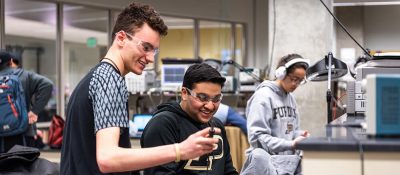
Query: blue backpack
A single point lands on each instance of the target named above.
(13, 111)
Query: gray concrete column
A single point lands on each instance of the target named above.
(304, 27)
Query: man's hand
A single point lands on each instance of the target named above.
(198, 144)
(32, 117)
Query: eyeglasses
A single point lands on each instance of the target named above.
(297, 81)
(204, 98)
(146, 46)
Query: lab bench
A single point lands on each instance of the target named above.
(349, 150)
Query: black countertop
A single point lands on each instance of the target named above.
(348, 135)
(347, 144)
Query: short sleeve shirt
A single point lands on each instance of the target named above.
(99, 101)
(109, 94)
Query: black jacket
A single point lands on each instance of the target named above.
(171, 124)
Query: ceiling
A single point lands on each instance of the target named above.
(37, 19)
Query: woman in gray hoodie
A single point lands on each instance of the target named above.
(273, 121)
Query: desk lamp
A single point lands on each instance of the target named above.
(327, 69)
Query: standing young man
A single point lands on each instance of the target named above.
(273, 121)
(37, 91)
(96, 136)
(174, 122)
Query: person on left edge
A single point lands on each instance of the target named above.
(37, 90)
(174, 122)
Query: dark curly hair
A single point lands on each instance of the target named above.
(135, 16)
(285, 59)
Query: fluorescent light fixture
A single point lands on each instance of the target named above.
(35, 29)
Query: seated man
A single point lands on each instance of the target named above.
(174, 122)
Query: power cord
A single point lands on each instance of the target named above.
(360, 150)
(344, 28)
(358, 142)
(337, 103)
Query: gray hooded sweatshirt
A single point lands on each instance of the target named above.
(272, 119)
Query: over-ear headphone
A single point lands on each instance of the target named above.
(280, 72)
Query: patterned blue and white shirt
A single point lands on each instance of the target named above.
(99, 101)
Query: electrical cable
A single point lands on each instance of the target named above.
(245, 70)
(336, 102)
(360, 150)
(344, 28)
(360, 60)
(358, 142)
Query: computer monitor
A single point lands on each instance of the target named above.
(172, 72)
(172, 75)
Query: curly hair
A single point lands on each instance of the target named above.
(135, 16)
(285, 59)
